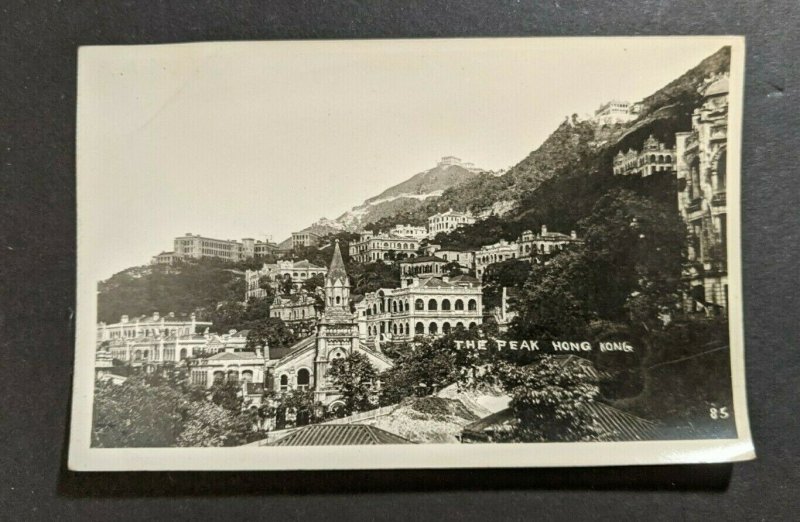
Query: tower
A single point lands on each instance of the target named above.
(337, 331)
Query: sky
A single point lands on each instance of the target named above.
(258, 139)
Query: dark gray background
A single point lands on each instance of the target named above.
(38, 43)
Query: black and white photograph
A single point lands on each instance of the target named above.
(481, 252)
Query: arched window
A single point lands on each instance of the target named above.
(459, 304)
(338, 300)
(433, 329)
(459, 325)
(472, 305)
(446, 328)
(419, 329)
(303, 379)
(472, 326)
(446, 304)
(394, 306)
(432, 305)
(247, 376)
(219, 376)
(419, 304)
(394, 329)
(374, 309)
(284, 382)
(233, 375)
(722, 167)
(183, 353)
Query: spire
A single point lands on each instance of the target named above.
(337, 270)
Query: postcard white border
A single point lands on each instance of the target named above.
(84, 458)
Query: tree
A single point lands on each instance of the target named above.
(154, 411)
(452, 269)
(272, 331)
(434, 363)
(353, 376)
(285, 285)
(549, 400)
(227, 395)
(312, 283)
(265, 283)
(509, 273)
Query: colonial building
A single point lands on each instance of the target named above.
(153, 325)
(165, 258)
(293, 308)
(616, 111)
(228, 366)
(495, 253)
(449, 161)
(425, 265)
(423, 305)
(447, 221)
(654, 157)
(464, 258)
(372, 247)
(305, 364)
(173, 348)
(312, 236)
(544, 242)
(411, 231)
(701, 172)
(296, 271)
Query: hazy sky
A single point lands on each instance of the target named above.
(240, 140)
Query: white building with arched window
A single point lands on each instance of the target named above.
(421, 306)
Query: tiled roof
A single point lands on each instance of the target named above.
(279, 353)
(339, 435)
(305, 263)
(615, 425)
(435, 282)
(464, 279)
(423, 259)
(228, 356)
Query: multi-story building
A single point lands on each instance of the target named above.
(294, 308)
(372, 247)
(296, 271)
(465, 258)
(229, 366)
(494, 253)
(702, 172)
(448, 221)
(425, 305)
(448, 161)
(654, 157)
(152, 325)
(544, 242)
(424, 265)
(165, 258)
(411, 231)
(312, 236)
(616, 111)
(194, 246)
(155, 349)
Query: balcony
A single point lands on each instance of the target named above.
(718, 199)
(694, 205)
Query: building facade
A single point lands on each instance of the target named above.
(654, 157)
(229, 366)
(702, 179)
(496, 253)
(372, 247)
(544, 242)
(423, 305)
(173, 348)
(305, 366)
(152, 325)
(425, 265)
(448, 221)
(464, 258)
(296, 271)
(616, 111)
(294, 308)
(411, 231)
(165, 258)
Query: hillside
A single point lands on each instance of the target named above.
(559, 183)
(183, 288)
(408, 196)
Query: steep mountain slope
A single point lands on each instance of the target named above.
(408, 196)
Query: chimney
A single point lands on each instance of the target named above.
(266, 350)
(573, 235)
(155, 316)
(544, 230)
(124, 319)
(258, 352)
(171, 315)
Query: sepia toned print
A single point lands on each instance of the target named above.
(520, 258)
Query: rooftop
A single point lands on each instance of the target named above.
(339, 435)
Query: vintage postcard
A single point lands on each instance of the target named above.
(409, 254)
